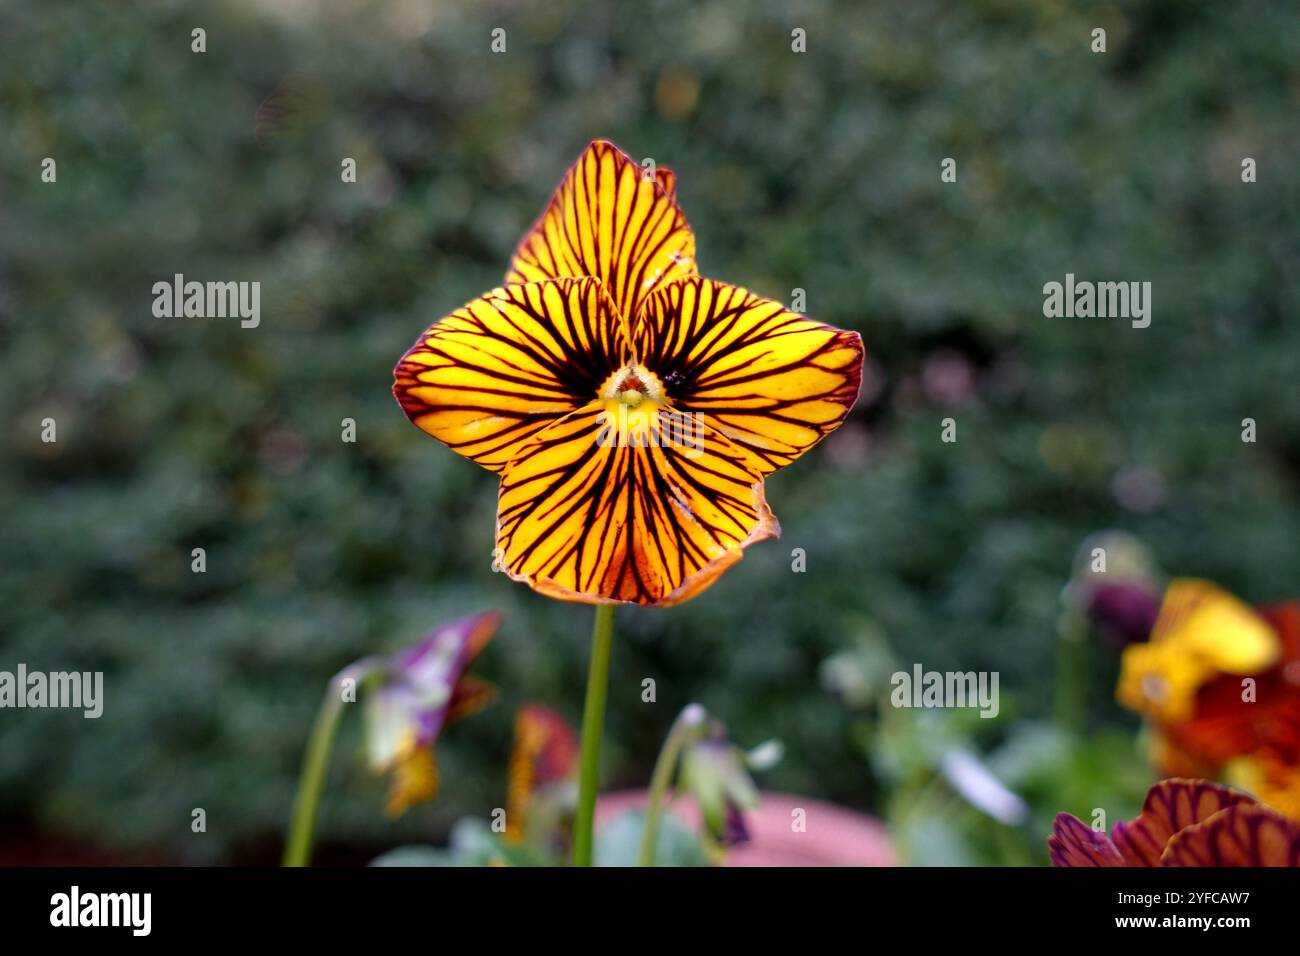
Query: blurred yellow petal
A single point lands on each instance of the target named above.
(1160, 681)
(1223, 631)
(612, 219)
(1275, 781)
(414, 779)
(767, 378)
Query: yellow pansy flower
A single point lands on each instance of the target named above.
(631, 407)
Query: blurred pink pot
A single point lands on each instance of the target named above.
(833, 836)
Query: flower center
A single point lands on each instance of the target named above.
(633, 385)
(1155, 688)
(632, 398)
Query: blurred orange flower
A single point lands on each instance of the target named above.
(1219, 683)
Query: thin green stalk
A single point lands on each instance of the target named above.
(683, 727)
(593, 725)
(1072, 670)
(297, 851)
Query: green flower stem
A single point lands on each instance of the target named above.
(297, 851)
(1072, 670)
(593, 725)
(682, 731)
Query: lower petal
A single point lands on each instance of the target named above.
(590, 511)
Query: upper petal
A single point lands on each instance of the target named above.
(769, 379)
(492, 374)
(1171, 806)
(612, 219)
(584, 515)
(1272, 775)
(1221, 629)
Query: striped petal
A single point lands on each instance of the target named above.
(600, 511)
(667, 179)
(1243, 835)
(1171, 806)
(1074, 843)
(769, 379)
(610, 219)
(495, 372)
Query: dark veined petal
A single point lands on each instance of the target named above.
(767, 378)
(495, 372)
(1171, 805)
(597, 512)
(1074, 843)
(667, 179)
(1243, 835)
(610, 218)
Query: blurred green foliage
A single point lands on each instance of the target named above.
(817, 171)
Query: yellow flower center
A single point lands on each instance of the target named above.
(631, 385)
(631, 396)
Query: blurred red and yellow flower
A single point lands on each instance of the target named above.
(632, 408)
(1183, 823)
(1201, 632)
(1219, 683)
